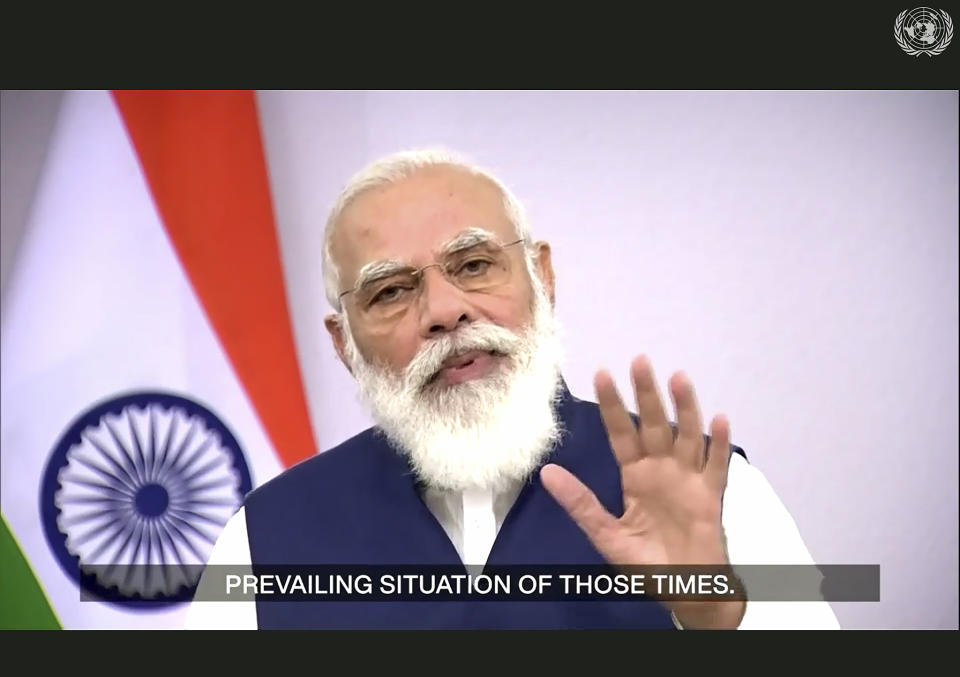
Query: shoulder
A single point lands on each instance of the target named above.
(348, 462)
(759, 526)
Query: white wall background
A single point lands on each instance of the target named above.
(795, 252)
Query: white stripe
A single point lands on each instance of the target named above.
(99, 305)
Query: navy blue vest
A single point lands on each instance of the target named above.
(359, 504)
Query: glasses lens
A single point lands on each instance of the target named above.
(478, 268)
(387, 296)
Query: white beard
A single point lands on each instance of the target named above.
(486, 433)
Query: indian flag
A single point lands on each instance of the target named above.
(149, 375)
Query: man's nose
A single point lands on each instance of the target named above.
(443, 305)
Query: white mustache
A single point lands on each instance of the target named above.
(477, 336)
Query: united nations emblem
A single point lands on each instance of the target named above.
(923, 30)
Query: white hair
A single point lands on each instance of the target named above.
(396, 167)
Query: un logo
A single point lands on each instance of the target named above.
(923, 31)
(135, 494)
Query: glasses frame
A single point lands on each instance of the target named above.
(418, 273)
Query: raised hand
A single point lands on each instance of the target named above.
(672, 488)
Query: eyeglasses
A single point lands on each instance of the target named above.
(387, 294)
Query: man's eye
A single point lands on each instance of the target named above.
(474, 267)
(389, 294)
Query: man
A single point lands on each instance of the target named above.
(481, 456)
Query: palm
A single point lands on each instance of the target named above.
(672, 488)
(670, 516)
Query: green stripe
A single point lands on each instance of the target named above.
(23, 606)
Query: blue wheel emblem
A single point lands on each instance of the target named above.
(135, 494)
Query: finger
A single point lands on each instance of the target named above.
(688, 447)
(718, 453)
(621, 430)
(582, 506)
(656, 436)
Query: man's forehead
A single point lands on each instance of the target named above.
(417, 216)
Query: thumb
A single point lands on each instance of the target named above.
(581, 504)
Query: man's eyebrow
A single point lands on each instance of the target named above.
(376, 270)
(466, 239)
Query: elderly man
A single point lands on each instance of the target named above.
(480, 454)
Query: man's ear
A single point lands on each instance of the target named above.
(545, 269)
(334, 325)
